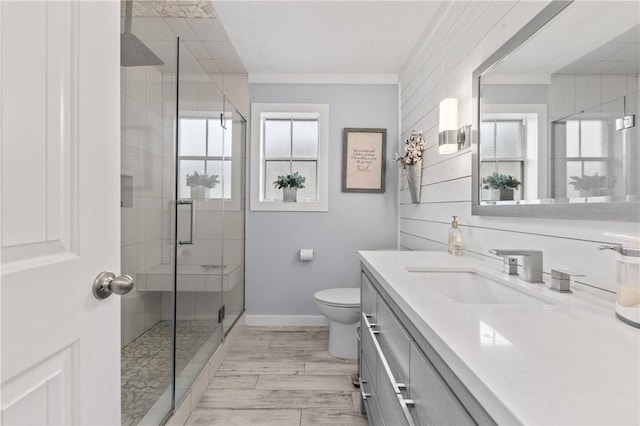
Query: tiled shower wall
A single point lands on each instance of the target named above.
(141, 90)
(459, 38)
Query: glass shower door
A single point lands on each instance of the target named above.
(234, 208)
(200, 191)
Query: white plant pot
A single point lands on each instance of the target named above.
(595, 192)
(198, 192)
(290, 195)
(505, 194)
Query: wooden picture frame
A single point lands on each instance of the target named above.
(364, 160)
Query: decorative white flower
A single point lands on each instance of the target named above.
(413, 148)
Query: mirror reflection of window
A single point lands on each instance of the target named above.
(592, 158)
(502, 151)
(587, 156)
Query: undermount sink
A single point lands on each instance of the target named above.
(473, 287)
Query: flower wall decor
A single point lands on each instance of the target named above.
(411, 162)
(413, 148)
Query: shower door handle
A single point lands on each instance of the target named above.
(107, 282)
(191, 216)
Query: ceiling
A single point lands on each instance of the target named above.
(324, 37)
(205, 46)
(170, 8)
(585, 38)
(283, 37)
(619, 56)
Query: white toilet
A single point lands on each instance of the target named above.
(341, 306)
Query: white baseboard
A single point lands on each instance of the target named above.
(287, 320)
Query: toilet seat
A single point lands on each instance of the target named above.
(339, 297)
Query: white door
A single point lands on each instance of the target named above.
(60, 132)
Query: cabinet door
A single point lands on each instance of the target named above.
(435, 403)
(368, 298)
(368, 349)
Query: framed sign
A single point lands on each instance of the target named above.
(363, 160)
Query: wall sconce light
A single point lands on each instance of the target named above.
(451, 138)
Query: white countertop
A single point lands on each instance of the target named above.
(571, 362)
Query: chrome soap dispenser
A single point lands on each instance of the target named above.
(456, 245)
(628, 278)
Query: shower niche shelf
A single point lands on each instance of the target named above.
(190, 278)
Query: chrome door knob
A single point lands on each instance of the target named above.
(107, 283)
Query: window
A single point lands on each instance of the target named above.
(290, 145)
(503, 151)
(205, 147)
(288, 138)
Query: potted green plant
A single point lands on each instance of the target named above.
(593, 186)
(199, 183)
(289, 185)
(502, 186)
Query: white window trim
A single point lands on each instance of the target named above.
(257, 112)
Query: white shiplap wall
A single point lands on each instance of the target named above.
(460, 37)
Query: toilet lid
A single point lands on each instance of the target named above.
(339, 297)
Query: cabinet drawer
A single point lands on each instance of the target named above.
(390, 402)
(369, 399)
(435, 403)
(394, 341)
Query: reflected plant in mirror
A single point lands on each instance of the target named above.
(595, 185)
(501, 186)
(561, 120)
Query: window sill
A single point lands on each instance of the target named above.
(215, 204)
(281, 206)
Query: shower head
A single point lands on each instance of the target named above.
(133, 52)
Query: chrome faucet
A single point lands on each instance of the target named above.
(531, 262)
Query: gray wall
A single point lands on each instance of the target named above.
(277, 282)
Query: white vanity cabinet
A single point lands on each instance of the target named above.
(404, 381)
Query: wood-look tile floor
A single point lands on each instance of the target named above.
(281, 376)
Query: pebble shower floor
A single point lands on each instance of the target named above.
(146, 363)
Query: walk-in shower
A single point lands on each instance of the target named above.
(183, 201)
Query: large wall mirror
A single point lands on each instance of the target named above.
(555, 114)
